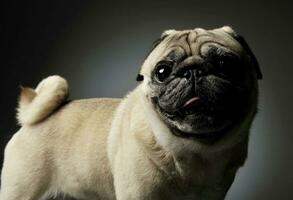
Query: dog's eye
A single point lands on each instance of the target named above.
(163, 71)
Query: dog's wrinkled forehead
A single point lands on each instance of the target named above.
(189, 43)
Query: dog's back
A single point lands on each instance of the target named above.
(60, 148)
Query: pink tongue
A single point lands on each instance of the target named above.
(191, 102)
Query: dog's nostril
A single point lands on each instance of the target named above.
(186, 74)
(199, 72)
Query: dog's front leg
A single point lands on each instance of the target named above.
(135, 177)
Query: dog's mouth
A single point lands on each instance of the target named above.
(198, 118)
(189, 107)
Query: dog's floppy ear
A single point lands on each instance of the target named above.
(246, 47)
(244, 44)
(139, 77)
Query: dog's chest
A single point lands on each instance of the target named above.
(193, 177)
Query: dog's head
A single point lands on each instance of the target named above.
(202, 83)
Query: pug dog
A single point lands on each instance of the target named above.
(182, 133)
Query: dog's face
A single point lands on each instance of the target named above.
(202, 83)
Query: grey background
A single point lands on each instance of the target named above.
(99, 46)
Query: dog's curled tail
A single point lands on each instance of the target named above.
(36, 104)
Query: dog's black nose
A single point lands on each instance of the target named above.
(191, 72)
